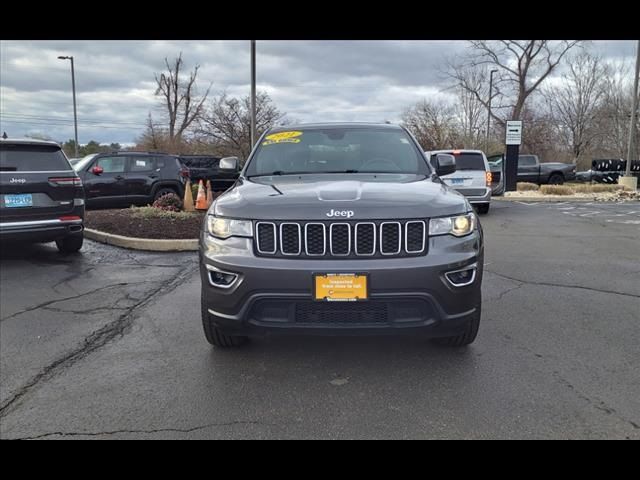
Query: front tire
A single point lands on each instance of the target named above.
(483, 208)
(70, 244)
(214, 335)
(556, 179)
(465, 338)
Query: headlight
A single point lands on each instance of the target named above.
(227, 227)
(458, 226)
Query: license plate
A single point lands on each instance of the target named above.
(22, 200)
(457, 181)
(341, 287)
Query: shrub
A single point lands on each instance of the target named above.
(526, 187)
(153, 212)
(169, 202)
(556, 190)
(594, 188)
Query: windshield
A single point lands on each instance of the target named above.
(81, 165)
(32, 158)
(337, 150)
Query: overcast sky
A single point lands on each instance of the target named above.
(309, 80)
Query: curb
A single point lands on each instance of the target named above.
(148, 244)
(547, 199)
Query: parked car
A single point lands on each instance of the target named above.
(472, 177)
(203, 167)
(121, 178)
(531, 170)
(341, 229)
(41, 196)
(607, 171)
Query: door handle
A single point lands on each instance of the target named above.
(153, 175)
(119, 177)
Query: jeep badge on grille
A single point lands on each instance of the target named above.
(340, 213)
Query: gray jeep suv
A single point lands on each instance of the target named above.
(339, 229)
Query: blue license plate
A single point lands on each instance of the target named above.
(22, 200)
(457, 181)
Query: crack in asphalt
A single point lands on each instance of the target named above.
(499, 297)
(150, 431)
(73, 276)
(549, 284)
(51, 302)
(90, 311)
(597, 404)
(94, 341)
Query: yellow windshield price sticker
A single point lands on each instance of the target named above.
(282, 137)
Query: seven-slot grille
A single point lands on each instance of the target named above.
(341, 239)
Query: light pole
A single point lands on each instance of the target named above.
(634, 108)
(253, 93)
(75, 114)
(486, 145)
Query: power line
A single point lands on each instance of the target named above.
(20, 116)
(117, 127)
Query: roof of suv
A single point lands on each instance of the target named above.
(135, 153)
(28, 141)
(311, 126)
(461, 150)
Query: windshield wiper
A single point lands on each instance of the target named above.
(281, 172)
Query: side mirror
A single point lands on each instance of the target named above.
(229, 164)
(97, 170)
(445, 164)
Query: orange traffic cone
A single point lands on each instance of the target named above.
(187, 202)
(209, 193)
(201, 200)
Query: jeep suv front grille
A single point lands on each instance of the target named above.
(341, 239)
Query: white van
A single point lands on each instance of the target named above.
(472, 177)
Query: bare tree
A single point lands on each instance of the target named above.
(575, 103)
(613, 117)
(471, 118)
(179, 97)
(432, 123)
(522, 67)
(153, 138)
(227, 123)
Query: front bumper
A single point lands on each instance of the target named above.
(406, 295)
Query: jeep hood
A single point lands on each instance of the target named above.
(312, 197)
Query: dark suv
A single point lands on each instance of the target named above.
(41, 196)
(341, 229)
(120, 179)
(204, 167)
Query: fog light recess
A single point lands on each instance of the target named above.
(462, 277)
(221, 279)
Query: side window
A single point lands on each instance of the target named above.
(141, 164)
(160, 162)
(526, 161)
(112, 164)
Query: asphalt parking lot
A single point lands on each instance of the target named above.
(108, 344)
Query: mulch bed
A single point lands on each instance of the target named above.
(121, 222)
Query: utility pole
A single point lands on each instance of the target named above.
(75, 113)
(634, 113)
(253, 93)
(486, 145)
